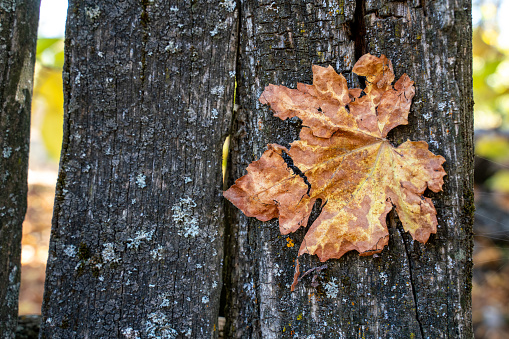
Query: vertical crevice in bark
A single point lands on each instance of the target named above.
(358, 29)
(228, 233)
(402, 232)
(144, 21)
(422, 4)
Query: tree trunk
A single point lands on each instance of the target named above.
(136, 246)
(18, 36)
(410, 290)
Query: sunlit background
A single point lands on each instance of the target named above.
(491, 94)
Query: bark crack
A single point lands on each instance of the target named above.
(144, 21)
(295, 169)
(5, 71)
(358, 29)
(228, 229)
(422, 4)
(414, 293)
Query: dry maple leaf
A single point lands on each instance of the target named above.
(344, 159)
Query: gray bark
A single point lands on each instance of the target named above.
(410, 290)
(28, 327)
(136, 246)
(18, 36)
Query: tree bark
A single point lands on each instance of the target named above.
(410, 290)
(18, 36)
(136, 247)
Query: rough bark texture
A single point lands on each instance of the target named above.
(136, 246)
(18, 36)
(28, 327)
(410, 290)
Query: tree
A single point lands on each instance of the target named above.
(137, 235)
(18, 34)
(410, 290)
(136, 244)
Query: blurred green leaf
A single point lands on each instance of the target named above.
(493, 147)
(499, 182)
(50, 52)
(45, 43)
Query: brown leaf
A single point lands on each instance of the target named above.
(343, 159)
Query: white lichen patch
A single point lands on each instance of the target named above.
(383, 276)
(172, 48)
(157, 326)
(140, 180)
(250, 291)
(450, 263)
(214, 284)
(165, 303)
(232, 74)
(277, 270)
(205, 299)
(214, 113)
(157, 253)
(108, 253)
(273, 6)
(217, 28)
(140, 237)
(7, 152)
(229, 5)
(165, 300)
(331, 288)
(214, 32)
(183, 216)
(335, 8)
(434, 143)
(187, 180)
(70, 250)
(174, 9)
(191, 115)
(427, 116)
(13, 274)
(93, 13)
(130, 333)
(77, 80)
(217, 90)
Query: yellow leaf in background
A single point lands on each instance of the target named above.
(499, 181)
(493, 147)
(47, 108)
